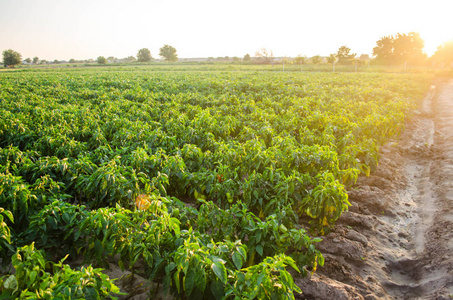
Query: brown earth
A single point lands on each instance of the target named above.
(396, 241)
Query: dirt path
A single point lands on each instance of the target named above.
(396, 242)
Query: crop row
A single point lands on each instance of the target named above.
(204, 179)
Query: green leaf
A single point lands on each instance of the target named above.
(286, 279)
(200, 280)
(176, 280)
(52, 222)
(258, 237)
(240, 278)
(11, 283)
(170, 267)
(33, 275)
(217, 259)
(217, 289)
(242, 252)
(237, 260)
(189, 282)
(66, 217)
(220, 270)
(90, 293)
(292, 263)
(259, 249)
(77, 235)
(9, 215)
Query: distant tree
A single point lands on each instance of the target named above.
(384, 50)
(168, 53)
(315, 59)
(43, 61)
(444, 54)
(35, 60)
(343, 55)
(286, 60)
(56, 61)
(332, 58)
(247, 57)
(72, 60)
(144, 55)
(129, 59)
(101, 60)
(11, 58)
(364, 57)
(111, 59)
(264, 56)
(400, 49)
(27, 60)
(409, 48)
(300, 59)
(236, 59)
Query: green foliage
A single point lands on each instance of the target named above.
(36, 278)
(266, 280)
(197, 270)
(331, 59)
(101, 60)
(16, 196)
(315, 59)
(274, 235)
(103, 230)
(53, 227)
(344, 57)
(400, 49)
(197, 180)
(5, 233)
(113, 183)
(300, 59)
(11, 58)
(144, 55)
(168, 53)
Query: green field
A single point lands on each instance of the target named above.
(208, 181)
(231, 66)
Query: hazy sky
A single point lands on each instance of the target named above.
(61, 29)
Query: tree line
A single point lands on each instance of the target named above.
(167, 53)
(389, 50)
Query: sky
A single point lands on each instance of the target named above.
(82, 29)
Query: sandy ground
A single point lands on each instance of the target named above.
(396, 241)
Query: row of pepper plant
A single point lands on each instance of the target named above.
(210, 184)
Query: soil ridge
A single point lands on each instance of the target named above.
(396, 240)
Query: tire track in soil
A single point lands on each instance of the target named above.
(436, 260)
(423, 267)
(396, 242)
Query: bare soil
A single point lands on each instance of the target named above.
(396, 241)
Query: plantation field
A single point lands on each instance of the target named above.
(210, 184)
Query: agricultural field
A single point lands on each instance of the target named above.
(208, 184)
